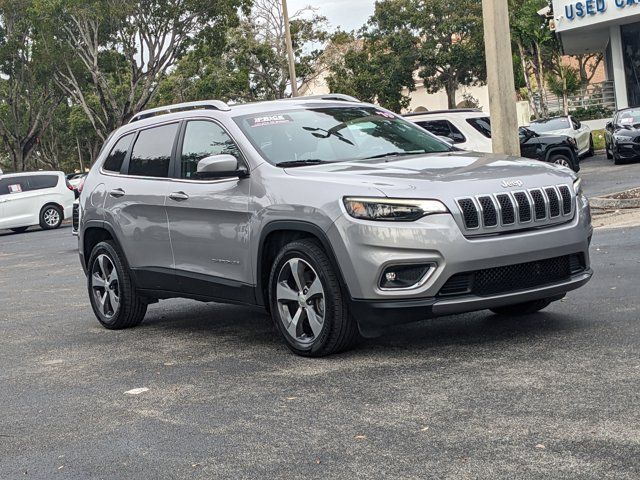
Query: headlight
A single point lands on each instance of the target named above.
(577, 187)
(392, 209)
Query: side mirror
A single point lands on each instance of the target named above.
(215, 166)
(609, 126)
(445, 139)
(578, 124)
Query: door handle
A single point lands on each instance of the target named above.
(117, 193)
(178, 196)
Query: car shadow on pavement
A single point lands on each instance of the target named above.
(253, 327)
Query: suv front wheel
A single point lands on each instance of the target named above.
(115, 302)
(307, 303)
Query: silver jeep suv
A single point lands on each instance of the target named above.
(338, 217)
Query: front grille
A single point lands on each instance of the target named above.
(469, 213)
(489, 214)
(511, 278)
(514, 210)
(76, 217)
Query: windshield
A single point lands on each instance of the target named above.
(629, 117)
(335, 134)
(559, 123)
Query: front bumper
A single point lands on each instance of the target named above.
(376, 315)
(365, 249)
(627, 150)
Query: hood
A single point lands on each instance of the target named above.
(442, 175)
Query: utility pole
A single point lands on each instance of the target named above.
(292, 62)
(502, 102)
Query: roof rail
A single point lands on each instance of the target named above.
(181, 107)
(434, 112)
(341, 97)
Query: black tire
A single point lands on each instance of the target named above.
(591, 150)
(339, 330)
(131, 308)
(563, 159)
(51, 212)
(617, 160)
(526, 308)
(608, 151)
(19, 229)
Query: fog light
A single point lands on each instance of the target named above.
(404, 276)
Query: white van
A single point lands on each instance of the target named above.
(34, 198)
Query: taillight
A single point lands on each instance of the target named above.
(69, 186)
(80, 185)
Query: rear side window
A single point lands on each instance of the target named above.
(113, 163)
(443, 128)
(151, 153)
(13, 185)
(39, 182)
(483, 125)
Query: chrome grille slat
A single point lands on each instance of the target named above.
(499, 212)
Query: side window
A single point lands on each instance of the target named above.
(151, 153)
(13, 185)
(113, 163)
(203, 139)
(40, 182)
(574, 124)
(443, 128)
(482, 124)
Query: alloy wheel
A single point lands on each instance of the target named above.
(51, 217)
(105, 286)
(562, 161)
(301, 300)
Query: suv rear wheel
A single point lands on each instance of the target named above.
(307, 304)
(113, 298)
(525, 308)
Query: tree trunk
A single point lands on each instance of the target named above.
(527, 80)
(450, 88)
(541, 86)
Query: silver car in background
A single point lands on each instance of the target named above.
(338, 217)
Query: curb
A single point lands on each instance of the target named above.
(607, 202)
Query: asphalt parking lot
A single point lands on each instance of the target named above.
(552, 395)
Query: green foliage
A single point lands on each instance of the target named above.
(564, 81)
(372, 71)
(443, 41)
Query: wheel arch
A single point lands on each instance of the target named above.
(274, 236)
(93, 233)
(52, 204)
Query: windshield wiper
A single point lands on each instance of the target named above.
(301, 163)
(394, 154)
(333, 131)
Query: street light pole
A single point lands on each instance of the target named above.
(502, 102)
(292, 63)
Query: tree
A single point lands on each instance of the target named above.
(563, 80)
(118, 50)
(28, 95)
(251, 64)
(448, 39)
(371, 70)
(588, 64)
(535, 45)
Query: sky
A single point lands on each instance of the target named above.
(348, 14)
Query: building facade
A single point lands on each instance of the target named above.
(609, 26)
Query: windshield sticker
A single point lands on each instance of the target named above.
(17, 188)
(269, 120)
(385, 114)
(627, 120)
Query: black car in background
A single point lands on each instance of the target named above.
(558, 149)
(622, 136)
